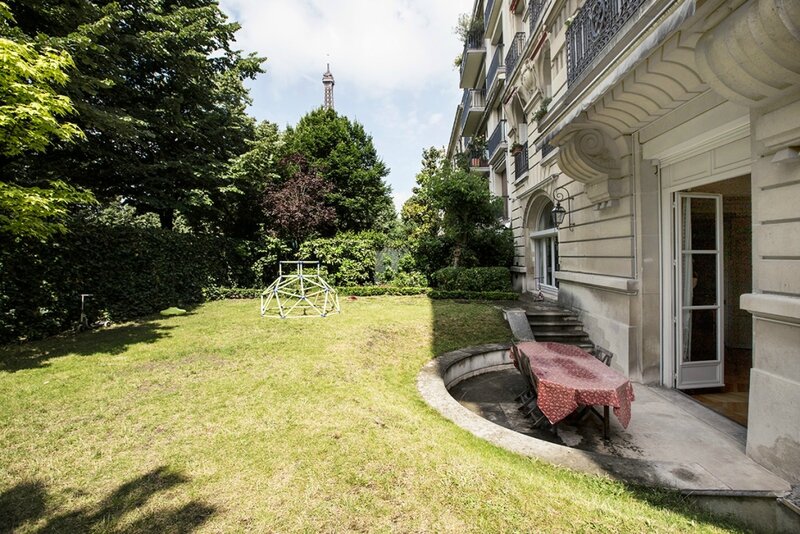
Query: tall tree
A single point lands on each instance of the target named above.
(248, 176)
(452, 214)
(159, 93)
(345, 155)
(32, 116)
(296, 208)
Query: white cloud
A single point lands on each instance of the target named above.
(379, 46)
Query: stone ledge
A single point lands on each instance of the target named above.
(775, 307)
(628, 286)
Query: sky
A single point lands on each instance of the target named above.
(392, 61)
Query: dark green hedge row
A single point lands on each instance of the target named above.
(372, 291)
(221, 293)
(218, 293)
(473, 295)
(480, 279)
(130, 271)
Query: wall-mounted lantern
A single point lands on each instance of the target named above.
(558, 213)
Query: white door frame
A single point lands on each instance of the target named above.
(668, 353)
(707, 373)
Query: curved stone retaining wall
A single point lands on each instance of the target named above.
(437, 376)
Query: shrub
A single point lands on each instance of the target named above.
(479, 279)
(221, 293)
(373, 291)
(130, 272)
(473, 295)
(349, 257)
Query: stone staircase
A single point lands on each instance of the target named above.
(551, 323)
(546, 321)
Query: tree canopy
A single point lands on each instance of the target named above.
(158, 91)
(32, 114)
(452, 218)
(346, 157)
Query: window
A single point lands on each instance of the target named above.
(545, 249)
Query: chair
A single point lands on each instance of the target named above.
(603, 355)
(522, 364)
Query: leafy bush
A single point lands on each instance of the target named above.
(130, 272)
(222, 293)
(349, 257)
(492, 247)
(409, 279)
(473, 295)
(479, 279)
(373, 291)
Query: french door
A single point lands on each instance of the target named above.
(699, 308)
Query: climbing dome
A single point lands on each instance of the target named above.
(301, 293)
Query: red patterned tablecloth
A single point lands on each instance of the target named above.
(568, 377)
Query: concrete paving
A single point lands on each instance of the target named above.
(670, 441)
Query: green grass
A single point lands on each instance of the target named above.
(223, 421)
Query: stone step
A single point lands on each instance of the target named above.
(552, 313)
(567, 323)
(548, 335)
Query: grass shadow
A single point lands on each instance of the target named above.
(114, 340)
(26, 504)
(20, 504)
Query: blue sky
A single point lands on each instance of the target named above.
(392, 61)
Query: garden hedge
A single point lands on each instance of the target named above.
(481, 279)
(439, 294)
(129, 271)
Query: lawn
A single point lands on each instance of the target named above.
(221, 421)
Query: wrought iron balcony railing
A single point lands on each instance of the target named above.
(592, 28)
(480, 162)
(534, 10)
(521, 162)
(547, 148)
(514, 53)
(494, 68)
(497, 138)
(473, 98)
(473, 42)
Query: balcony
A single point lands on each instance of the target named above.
(534, 10)
(496, 72)
(594, 26)
(491, 13)
(479, 165)
(473, 105)
(514, 53)
(455, 133)
(521, 162)
(496, 144)
(472, 61)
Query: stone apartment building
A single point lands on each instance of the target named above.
(668, 131)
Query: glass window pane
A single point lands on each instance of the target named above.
(700, 222)
(546, 218)
(699, 335)
(702, 271)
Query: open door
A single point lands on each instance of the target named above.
(699, 309)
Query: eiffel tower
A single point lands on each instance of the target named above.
(327, 81)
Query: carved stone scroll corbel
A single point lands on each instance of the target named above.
(590, 155)
(752, 57)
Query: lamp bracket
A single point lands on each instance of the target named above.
(559, 194)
